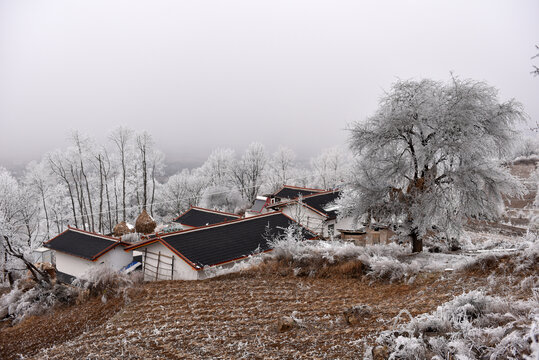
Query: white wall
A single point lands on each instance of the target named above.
(306, 217)
(72, 265)
(116, 258)
(182, 270)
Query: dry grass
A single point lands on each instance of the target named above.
(59, 326)
(236, 315)
(319, 267)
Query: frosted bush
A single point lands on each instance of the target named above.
(314, 257)
(472, 325)
(18, 303)
(104, 281)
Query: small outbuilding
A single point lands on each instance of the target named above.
(77, 251)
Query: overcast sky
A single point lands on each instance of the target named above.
(204, 74)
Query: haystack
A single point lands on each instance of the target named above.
(121, 229)
(145, 224)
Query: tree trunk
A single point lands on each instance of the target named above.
(42, 190)
(417, 242)
(91, 215)
(123, 183)
(100, 217)
(144, 179)
(108, 202)
(59, 170)
(153, 189)
(81, 208)
(116, 200)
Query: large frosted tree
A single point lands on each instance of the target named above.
(429, 157)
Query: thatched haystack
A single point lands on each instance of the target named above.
(121, 229)
(145, 224)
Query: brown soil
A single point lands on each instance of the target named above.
(61, 325)
(236, 316)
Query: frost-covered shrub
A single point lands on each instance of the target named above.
(483, 262)
(292, 255)
(106, 282)
(21, 302)
(472, 325)
(528, 259)
(389, 268)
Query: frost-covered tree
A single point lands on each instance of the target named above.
(429, 157)
(218, 166)
(181, 191)
(121, 137)
(281, 168)
(330, 168)
(247, 172)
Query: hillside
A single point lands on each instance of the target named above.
(237, 315)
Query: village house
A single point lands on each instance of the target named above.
(76, 251)
(316, 211)
(289, 192)
(285, 193)
(197, 216)
(195, 253)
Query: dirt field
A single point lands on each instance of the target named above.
(236, 317)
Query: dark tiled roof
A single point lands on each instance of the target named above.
(322, 201)
(200, 217)
(231, 241)
(86, 245)
(290, 192)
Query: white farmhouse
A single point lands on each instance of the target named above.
(285, 193)
(77, 251)
(194, 254)
(316, 212)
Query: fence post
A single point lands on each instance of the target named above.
(172, 270)
(158, 260)
(144, 263)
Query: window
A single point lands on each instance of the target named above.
(331, 230)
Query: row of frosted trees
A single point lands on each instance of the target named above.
(94, 186)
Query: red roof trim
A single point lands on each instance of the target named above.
(105, 251)
(217, 224)
(216, 211)
(93, 233)
(51, 239)
(206, 210)
(263, 207)
(94, 258)
(297, 188)
(325, 192)
(237, 259)
(140, 244)
(189, 262)
(284, 203)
